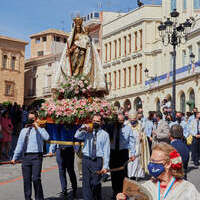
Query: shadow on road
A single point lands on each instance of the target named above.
(106, 194)
(191, 168)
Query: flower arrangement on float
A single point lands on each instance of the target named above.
(75, 102)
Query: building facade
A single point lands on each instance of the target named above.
(46, 50)
(12, 52)
(131, 44)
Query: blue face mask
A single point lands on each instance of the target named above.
(155, 169)
(133, 123)
(154, 120)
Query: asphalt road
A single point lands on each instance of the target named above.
(11, 183)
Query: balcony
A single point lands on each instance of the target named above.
(46, 91)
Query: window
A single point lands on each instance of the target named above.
(198, 51)
(106, 52)
(115, 80)
(115, 48)
(129, 37)
(4, 61)
(40, 53)
(96, 15)
(135, 41)
(140, 73)
(13, 61)
(110, 80)
(44, 39)
(49, 81)
(196, 4)
(105, 75)
(192, 100)
(119, 72)
(184, 58)
(158, 105)
(184, 4)
(9, 88)
(173, 4)
(37, 40)
(129, 75)
(49, 64)
(110, 44)
(182, 102)
(57, 38)
(120, 46)
(140, 39)
(124, 77)
(190, 51)
(91, 15)
(135, 69)
(125, 46)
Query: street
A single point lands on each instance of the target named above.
(11, 183)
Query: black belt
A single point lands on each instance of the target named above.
(89, 158)
(33, 153)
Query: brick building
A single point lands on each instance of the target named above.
(40, 68)
(12, 53)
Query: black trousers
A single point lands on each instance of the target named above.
(91, 180)
(65, 161)
(195, 149)
(31, 170)
(117, 159)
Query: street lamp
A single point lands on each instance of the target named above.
(174, 33)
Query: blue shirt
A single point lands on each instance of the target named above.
(102, 144)
(191, 118)
(193, 127)
(35, 141)
(184, 125)
(149, 126)
(126, 139)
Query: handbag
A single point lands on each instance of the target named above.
(189, 140)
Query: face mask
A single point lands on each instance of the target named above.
(179, 119)
(30, 121)
(126, 117)
(155, 169)
(133, 123)
(154, 120)
(96, 125)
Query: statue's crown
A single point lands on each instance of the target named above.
(78, 21)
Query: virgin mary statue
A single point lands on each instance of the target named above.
(80, 57)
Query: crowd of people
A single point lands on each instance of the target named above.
(132, 141)
(13, 118)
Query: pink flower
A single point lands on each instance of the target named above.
(76, 91)
(84, 90)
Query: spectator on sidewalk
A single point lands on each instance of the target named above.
(7, 129)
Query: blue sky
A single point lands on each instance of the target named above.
(21, 18)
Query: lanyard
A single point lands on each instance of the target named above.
(169, 188)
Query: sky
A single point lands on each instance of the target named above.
(21, 18)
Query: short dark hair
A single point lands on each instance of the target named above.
(159, 114)
(33, 112)
(176, 131)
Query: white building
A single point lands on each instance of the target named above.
(131, 43)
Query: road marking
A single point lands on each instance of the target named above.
(20, 177)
